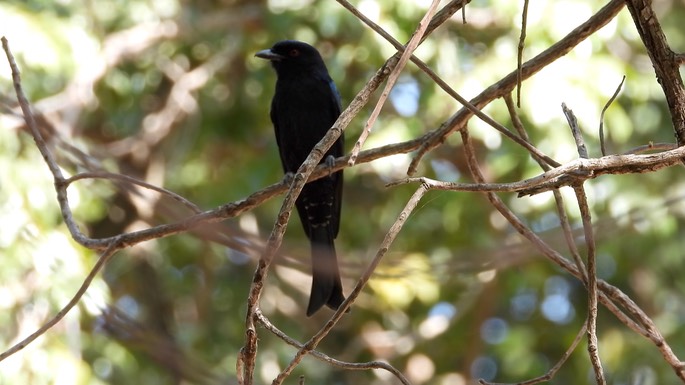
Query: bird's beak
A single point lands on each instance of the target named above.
(269, 55)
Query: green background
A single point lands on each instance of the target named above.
(169, 92)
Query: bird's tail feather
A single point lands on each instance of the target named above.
(326, 285)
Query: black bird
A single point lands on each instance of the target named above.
(304, 107)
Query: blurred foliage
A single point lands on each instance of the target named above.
(169, 91)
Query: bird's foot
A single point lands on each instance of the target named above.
(289, 177)
(330, 162)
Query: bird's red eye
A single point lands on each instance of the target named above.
(294, 52)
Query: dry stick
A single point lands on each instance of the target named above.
(591, 282)
(522, 41)
(102, 261)
(593, 347)
(568, 236)
(504, 86)
(651, 147)
(392, 79)
(231, 209)
(264, 321)
(576, 170)
(552, 371)
(679, 58)
(442, 84)
(602, 144)
(575, 130)
(385, 246)
(664, 60)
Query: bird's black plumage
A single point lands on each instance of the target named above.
(304, 107)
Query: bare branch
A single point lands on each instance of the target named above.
(593, 347)
(575, 130)
(519, 59)
(664, 60)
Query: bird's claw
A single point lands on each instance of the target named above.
(330, 163)
(289, 177)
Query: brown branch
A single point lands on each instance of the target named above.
(593, 347)
(665, 62)
(249, 350)
(519, 56)
(602, 142)
(565, 175)
(575, 131)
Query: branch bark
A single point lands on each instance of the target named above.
(666, 62)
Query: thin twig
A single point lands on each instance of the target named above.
(565, 175)
(248, 352)
(575, 130)
(105, 256)
(264, 321)
(593, 347)
(522, 42)
(554, 369)
(601, 116)
(652, 147)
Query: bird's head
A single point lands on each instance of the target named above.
(293, 57)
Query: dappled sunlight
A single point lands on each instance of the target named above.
(170, 97)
